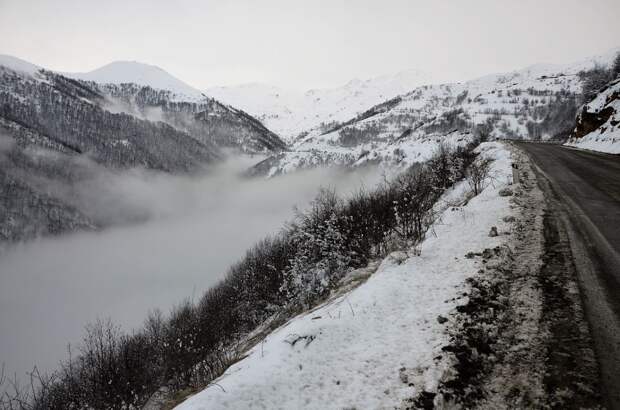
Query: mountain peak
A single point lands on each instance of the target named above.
(119, 72)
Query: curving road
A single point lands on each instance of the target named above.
(584, 187)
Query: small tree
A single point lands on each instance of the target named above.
(477, 174)
(322, 250)
(415, 193)
(445, 166)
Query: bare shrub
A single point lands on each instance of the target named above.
(477, 174)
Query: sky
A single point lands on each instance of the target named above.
(307, 44)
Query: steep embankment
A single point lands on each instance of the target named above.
(598, 122)
(474, 317)
(380, 345)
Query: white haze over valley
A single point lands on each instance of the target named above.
(192, 229)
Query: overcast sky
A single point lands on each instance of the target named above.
(307, 44)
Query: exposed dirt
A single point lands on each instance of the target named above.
(572, 370)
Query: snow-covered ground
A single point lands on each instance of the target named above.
(392, 156)
(605, 138)
(375, 346)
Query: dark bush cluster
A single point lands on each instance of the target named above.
(456, 119)
(556, 118)
(597, 78)
(278, 277)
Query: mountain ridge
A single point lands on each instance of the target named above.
(289, 113)
(121, 72)
(537, 102)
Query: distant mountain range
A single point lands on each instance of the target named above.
(128, 114)
(289, 113)
(538, 102)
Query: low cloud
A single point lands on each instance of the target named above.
(169, 238)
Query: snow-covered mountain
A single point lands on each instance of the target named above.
(537, 102)
(288, 113)
(149, 93)
(55, 131)
(122, 72)
(131, 114)
(152, 93)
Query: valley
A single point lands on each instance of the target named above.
(251, 245)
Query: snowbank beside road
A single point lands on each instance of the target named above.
(375, 346)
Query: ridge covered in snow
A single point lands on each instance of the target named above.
(537, 102)
(289, 113)
(122, 72)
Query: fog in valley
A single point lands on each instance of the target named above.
(171, 237)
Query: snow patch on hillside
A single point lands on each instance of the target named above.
(375, 346)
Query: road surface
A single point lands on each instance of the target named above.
(584, 187)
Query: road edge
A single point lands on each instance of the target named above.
(590, 276)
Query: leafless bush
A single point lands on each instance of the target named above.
(477, 174)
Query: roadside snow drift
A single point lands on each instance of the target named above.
(375, 346)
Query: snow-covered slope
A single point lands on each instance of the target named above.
(378, 345)
(288, 113)
(538, 102)
(598, 124)
(391, 155)
(121, 72)
(150, 93)
(18, 64)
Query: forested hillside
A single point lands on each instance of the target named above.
(57, 131)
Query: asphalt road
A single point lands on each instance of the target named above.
(584, 187)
